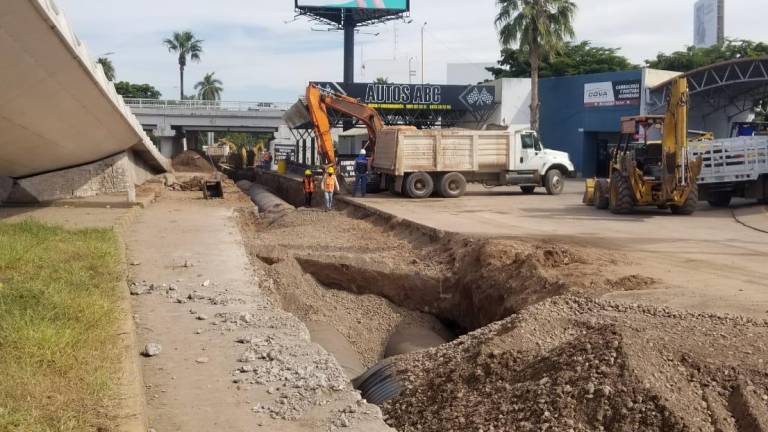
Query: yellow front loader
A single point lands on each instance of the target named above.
(651, 166)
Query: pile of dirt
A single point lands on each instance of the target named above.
(191, 161)
(578, 364)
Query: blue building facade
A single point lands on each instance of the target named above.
(581, 115)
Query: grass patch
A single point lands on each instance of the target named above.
(59, 312)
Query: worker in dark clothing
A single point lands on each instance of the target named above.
(309, 188)
(361, 174)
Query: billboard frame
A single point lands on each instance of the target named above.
(335, 16)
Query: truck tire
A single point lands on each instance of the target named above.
(720, 199)
(602, 190)
(452, 185)
(690, 203)
(554, 182)
(419, 185)
(620, 197)
(528, 189)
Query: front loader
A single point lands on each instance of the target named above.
(651, 166)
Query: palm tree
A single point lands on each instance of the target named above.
(185, 44)
(108, 67)
(540, 27)
(209, 88)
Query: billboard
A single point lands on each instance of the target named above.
(473, 98)
(707, 23)
(612, 93)
(395, 5)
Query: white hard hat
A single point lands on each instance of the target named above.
(362, 152)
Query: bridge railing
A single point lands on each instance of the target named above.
(205, 105)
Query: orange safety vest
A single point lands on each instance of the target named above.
(309, 184)
(330, 183)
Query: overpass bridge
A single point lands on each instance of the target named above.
(170, 120)
(59, 111)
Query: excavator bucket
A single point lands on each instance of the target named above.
(297, 116)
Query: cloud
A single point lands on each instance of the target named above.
(260, 55)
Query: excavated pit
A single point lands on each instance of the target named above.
(542, 353)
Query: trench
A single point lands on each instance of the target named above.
(367, 311)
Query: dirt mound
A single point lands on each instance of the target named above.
(585, 365)
(191, 161)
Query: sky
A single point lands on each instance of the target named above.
(261, 52)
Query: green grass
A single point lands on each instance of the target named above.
(59, 312)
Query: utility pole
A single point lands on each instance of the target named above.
(422, 52)
(411, 70)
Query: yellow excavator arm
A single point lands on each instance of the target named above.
(318, 103)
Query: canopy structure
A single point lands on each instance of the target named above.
(720, 94)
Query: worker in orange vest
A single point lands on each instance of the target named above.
(309, 188)
(330, 185)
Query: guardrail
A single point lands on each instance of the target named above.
(204, 105)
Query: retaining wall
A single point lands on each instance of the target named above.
(116, 174)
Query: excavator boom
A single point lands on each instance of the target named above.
(318, 103)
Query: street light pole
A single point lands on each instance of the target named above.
(422, 52)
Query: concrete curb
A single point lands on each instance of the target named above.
(132, 416)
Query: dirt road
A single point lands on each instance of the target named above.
(230, 360)
(705, 262)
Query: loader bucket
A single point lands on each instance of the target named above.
(589, 192)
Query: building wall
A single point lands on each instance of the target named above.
(567, 125)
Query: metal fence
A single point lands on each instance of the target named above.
(204, 105)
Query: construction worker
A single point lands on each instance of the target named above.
(361, 174)
(266, 160)
(330, 185)
(309, 188)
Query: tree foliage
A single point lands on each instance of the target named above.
(573, 59)
(381, 80)
(108, 67)
(186, 45)
(540, 29)
(694, 58)
(137, 91)
(209, 88)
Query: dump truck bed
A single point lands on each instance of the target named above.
(401, 151)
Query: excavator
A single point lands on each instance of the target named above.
(319, 101)
(651, 165)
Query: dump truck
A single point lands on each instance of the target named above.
(418, 163)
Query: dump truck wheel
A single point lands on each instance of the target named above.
(528, 189)
(690, 203)
(602, 189)
(554, 182)
(620, 199)
(720, 199)
(419, 185)
(452, 185)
